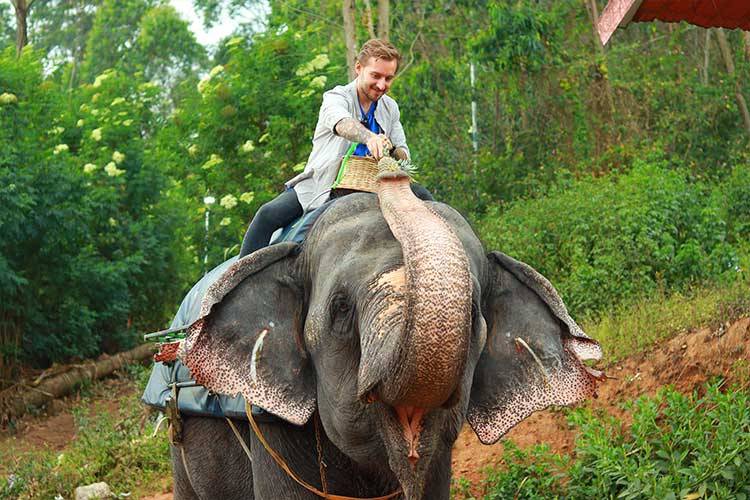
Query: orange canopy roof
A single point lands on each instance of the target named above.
(706, 13)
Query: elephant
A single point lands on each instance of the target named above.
(372, 342)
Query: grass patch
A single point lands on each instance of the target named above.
(628, 329)
(110, 448)
(678, 446)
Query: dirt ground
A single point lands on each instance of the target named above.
(54, 427)
(686, 362)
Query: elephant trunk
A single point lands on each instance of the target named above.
(437, 302)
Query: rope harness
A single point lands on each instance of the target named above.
(281, 463)
(175, 431)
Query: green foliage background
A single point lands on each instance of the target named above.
(619, 174)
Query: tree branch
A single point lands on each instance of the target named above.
(411, 52)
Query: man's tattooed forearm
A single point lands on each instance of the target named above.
(350, 129)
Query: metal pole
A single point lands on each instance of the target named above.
(208, 200)
(474, 131)
(205, 242)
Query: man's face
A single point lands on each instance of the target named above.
(375, 77)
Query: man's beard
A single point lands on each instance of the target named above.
(376, 94)
(372, 94)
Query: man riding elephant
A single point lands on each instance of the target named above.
(372, 343)
(359, 115)
(375, 340)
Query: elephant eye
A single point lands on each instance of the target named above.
(342, 317)
(340, 306)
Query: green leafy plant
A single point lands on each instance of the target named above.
(532, 474)
(677, 446)
(606, 240)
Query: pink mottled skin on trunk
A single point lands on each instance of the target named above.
(437, 303)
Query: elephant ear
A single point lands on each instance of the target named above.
(247, 339)
(533, 357)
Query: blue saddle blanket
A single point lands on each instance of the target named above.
(196, 399)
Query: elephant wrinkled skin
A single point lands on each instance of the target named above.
(394, 325)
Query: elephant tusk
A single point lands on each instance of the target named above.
(256, 353)
(523, 343)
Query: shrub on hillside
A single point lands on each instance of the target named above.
(605, 240)
(735, 195)
(531, 474)
(678, 446)
(116, 449)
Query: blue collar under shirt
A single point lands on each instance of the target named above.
(368, 120)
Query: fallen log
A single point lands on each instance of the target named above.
(17, 400)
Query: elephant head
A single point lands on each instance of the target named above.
(395, 325)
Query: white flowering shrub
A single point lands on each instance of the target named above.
(229, 201)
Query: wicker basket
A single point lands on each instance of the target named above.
(357, 173)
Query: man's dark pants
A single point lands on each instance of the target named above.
(283, 210)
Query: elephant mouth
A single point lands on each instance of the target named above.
(410, 418)
(413, 438)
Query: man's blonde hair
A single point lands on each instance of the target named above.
(379, 49)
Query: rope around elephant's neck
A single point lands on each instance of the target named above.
(319, 446)
(281, 463)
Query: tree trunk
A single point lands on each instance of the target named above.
(726, 54)
(15, 401)
(73, 74)
(22, 11)
(593, 12)
(368, 18)
(746, 38)
(10, 346)
(350, 36)
(384, 19)
(706, 57)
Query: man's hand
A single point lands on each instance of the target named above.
(379, 146)
(400, 154)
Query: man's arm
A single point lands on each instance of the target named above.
(352, 130)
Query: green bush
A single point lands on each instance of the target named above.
(604, 240)
(734, 194)
(533, 474)
(232, 138)
(87, 253)
(106, 449)
(677, 446)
